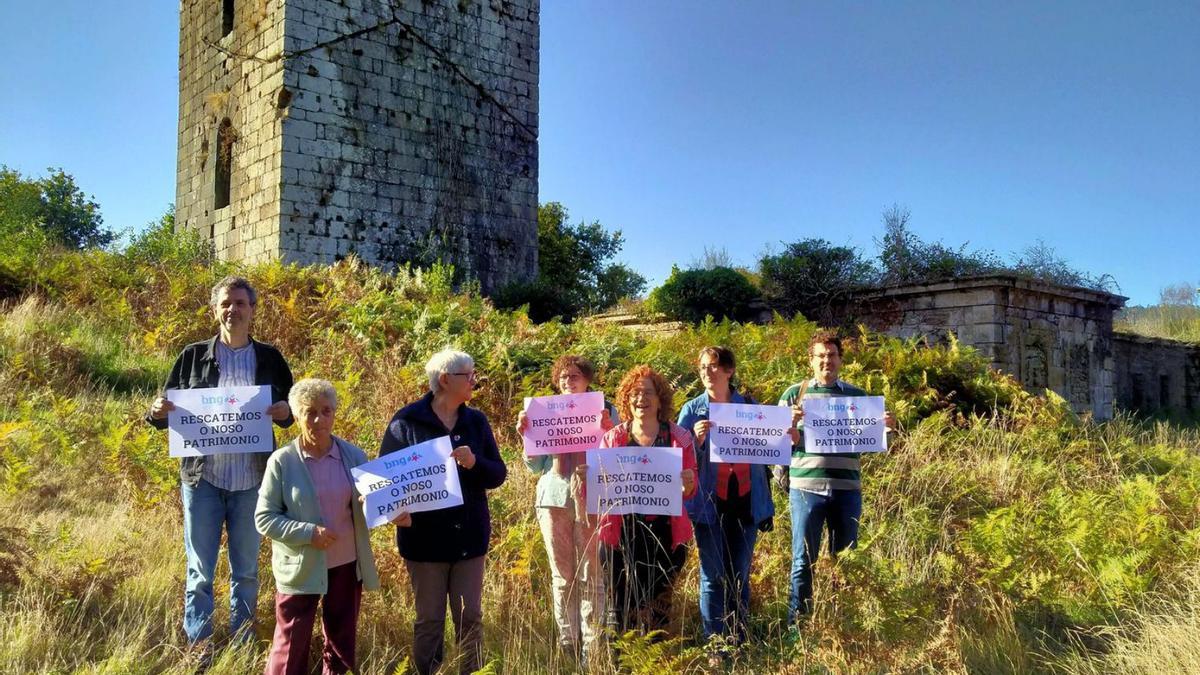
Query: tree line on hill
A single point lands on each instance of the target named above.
(579, 273)
(813, 276)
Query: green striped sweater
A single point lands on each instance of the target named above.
(822, 472)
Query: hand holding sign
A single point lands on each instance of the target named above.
(279, 411)
(840, 424)
(463, 456)
(160, 408)
(422, 477)
(558, 424)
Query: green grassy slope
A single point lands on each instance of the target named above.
(1000, 534)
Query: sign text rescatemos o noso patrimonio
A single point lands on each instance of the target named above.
(749, 434)
(219, 420)
(844, 424)
(421, 477)
(635, 480)
(566, 423)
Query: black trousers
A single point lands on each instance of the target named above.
(641, 573)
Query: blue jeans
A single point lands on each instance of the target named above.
(810, 513)
(725, 547)
(205, 509)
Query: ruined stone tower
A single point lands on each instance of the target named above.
(394, 130)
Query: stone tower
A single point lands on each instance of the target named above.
(393, 130)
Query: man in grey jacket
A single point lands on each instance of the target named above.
(223, 489)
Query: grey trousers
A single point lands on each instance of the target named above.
(461, 585)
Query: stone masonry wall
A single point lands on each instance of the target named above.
(1049, 337)
(1061, 339)
(235, 76)
(1156, 376)
(415, 139)
(395, 130)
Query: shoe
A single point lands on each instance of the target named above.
(201, 653)
(792, 637)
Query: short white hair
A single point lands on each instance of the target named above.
(308, 391)
(444, 362)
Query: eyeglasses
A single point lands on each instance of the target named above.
(472, 376)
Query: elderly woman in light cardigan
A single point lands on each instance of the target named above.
(320, 547)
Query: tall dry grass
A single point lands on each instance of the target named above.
(1000, 533)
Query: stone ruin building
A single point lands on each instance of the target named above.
(392, 130)
(1048, 336)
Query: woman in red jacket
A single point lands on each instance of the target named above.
(643, 554)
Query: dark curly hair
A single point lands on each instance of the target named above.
(826, 337)
(630, 383)
(565, 361)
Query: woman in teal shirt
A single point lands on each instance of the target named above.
(569, 533)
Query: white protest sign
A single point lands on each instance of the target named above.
(421, 477)
(844, 424)
(566, 423)
(749, 434)
(219, 420)
(635, 480)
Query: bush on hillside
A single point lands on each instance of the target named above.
(54, 205)
(575, 273)
(161, 244)
(542, 300)
(693, 295)
(813, 277)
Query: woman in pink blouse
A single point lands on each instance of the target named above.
(320, 546)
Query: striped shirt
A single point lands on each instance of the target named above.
(236, 368)
(822, 473)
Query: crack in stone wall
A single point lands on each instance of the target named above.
(407, 132)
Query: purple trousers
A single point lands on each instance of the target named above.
(294, 618)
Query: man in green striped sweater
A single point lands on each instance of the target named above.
(823, 489)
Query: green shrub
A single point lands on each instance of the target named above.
(161, 244)
(693, 295)
(813, 277)
(541, 299)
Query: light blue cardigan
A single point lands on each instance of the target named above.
(288, 513)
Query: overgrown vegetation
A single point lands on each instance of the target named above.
(816, 278)
(693, 295)
(813, 277)
(52, 206)
(575, 275)
(1001, 533)
(1175, 317)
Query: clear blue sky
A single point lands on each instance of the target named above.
(745, 124)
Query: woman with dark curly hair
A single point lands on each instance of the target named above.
(567, 529)
(643, 554)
